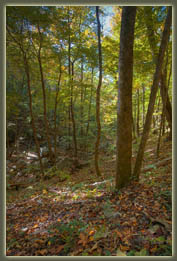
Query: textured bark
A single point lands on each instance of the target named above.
(124, 110)
(97, 143)
(154, 89)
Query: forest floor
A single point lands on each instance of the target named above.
(84, 216)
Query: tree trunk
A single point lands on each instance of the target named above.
(143, 104)
(166, 102)
(44, 100)
(124, 109)
(90, 105)
(55, 112)
(138, 115)
(81, 98)
(31, 112)
(73, 118)
(134, 106)
(97, 143)
(153, 45)
(154, 89)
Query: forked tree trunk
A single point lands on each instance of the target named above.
(97, 143)
(124, 109)
(154, 89)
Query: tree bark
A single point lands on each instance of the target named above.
(44, 99)
(55, 112)
(154, 89)
(124, 109)
(138, 114)
(31, 112)
(72, 116)
(81, 99)
(97, 143)
(143, 104)
(90, 105)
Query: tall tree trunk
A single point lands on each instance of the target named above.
(134, 106)
(44, 99)
(124, 109)
(153, 45)
(143, 104)
(55, 112)
(133, 126)
(81, 98)
(90, 105)
(72, 116)
(154, 89)
(31, 112)
(97, 143)
(166, 102)
(69, 79)
(138, 114)
(160, 131)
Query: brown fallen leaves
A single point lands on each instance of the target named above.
(135, 221)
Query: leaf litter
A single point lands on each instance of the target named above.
(92, 219)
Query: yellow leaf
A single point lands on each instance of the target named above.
(91, 238)
(91, 232)
(124, 248)
(120, 253)
(86, 32)
(44, 191)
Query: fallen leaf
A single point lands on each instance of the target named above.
(94, 247)
(59, 248)
(120, 253)
(43, 252)
(91, 232)
(124, 248)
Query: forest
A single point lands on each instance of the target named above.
(89, 130)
